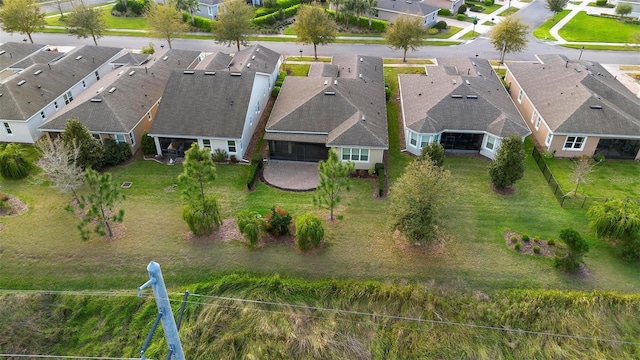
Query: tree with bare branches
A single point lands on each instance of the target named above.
(59, 162)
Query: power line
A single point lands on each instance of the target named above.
(37, 356)
(340, 311)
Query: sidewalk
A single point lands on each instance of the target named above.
(482, 18)
(575, 9)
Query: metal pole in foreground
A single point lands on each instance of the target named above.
(164, 308)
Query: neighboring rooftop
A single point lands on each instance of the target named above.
(12, 52)
(578, 96)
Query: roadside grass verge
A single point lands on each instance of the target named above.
(330, 319)
(509, 11)
(617, 179)
(542, 31)
(389, 61)
(602, 47)
(583, 27)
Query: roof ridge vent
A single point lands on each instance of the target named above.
(165, 58)
(78, 57)
(189, 72)
(38, 72)
(112, 90)
(467, 81)
(472, 96)
(99, 90)
(329, 92)
(132, 72)
(454, 96)
(253, 57)
(361, 59)
(335, 82)
(21, 82)
(2, 52)
(248, 65)
(95, 100)
(209, 72)
(595, 107)
(453, 81)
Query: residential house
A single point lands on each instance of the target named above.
(390, 9)
(45, 82)
(461, 104)
(576, 108)
(218, 104)
(122, 105)
(339, 106)
(451, 5)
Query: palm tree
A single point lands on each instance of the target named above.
(370, 9)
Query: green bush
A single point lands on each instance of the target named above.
(476, 8)
(119, 7)
(148, 49)
(202, 217)
(263, 11)
(290, 11)
(525, 238)
(220, 155)
(283, 4)
(536, 249)
(278, 221)
(387, 93)
(379, 170)
(514, 239)
(536, 239)
(462, 9)
(551, 242)
(601, 2)
(489, 2)
(115, 153)
(14, 163)
(572, 259)
(461, 17)
(309, 232)
(517, 246)
(280, 79)
(251, 225)
(200, 22)
(275, 91)
(440, 25)
(147, 145)
(433, 31)
(444, 12)
(598, 157)
(256, 165)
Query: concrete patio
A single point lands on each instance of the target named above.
(291, 175)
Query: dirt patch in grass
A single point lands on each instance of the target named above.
(507, 190)
(13, 206)
(437, 247)
(526, 247)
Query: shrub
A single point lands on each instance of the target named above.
(220, 155)
(147, 145)
(275, 91)
(549, 154)
(514, 239)
(525, 238)
(278, 221)
(251, 225)
(517, 246)
(444, 12)
(387, 93)
(570, 261)
(137, 7)
(119, 7)
(233, 159)
(268, 4)
(148, 49)
(489, 2)
(379, 171)
(551, 242)
(440, 25)
(433, 31)
(535, 239)
(115, 153)
(601, 2)
(536, 249)
(280, 79)
(14, 163)
(461, 17)
(270, 20)
(202, 217)
(476, 8)
(256, 165)
(598, 157)
(199, 22)
(309, 232)
(462, 9)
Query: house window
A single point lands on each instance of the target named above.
(355, 154)
(7, 128)
(414, 139)
(549, 138)
(84, 85)
(42, 115)
(210, 10)
(68, 97)
(97, 75)
(424, 140)
(520, 94)
(133, 139)
(55, 104)
(574, 143)
(120, 138)
(206, 143)
(538, 122)
(231, 146)
(491, 142)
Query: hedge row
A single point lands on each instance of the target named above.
(628, 20)
(270, 19)
(200, 22)
(256, 165)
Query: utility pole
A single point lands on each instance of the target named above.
(164, 312)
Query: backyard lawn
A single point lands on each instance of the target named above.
(618, 179)
(113, 22)
(597, 29)
(542, 31)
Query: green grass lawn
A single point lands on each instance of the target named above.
(596, 29)
(113, 22)
(509, 11)
(542, 31)
(487, 9)
(409, 61)
(611, 178)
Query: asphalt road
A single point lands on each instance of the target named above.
(534, 14)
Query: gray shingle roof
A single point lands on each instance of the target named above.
(202, 104)
(119, 111)
(14, 52)
(132, 59)
(459, 94)
(255, 58)
(19, 102)
(564, 91)
(349, 109)
(414, 7)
